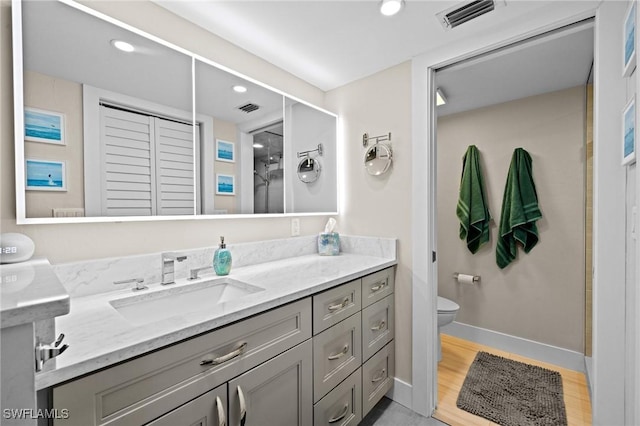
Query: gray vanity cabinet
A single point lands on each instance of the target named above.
(207, 410)
(141, 390)
(278, 392)
(353, 348)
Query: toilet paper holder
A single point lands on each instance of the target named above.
(476, 278)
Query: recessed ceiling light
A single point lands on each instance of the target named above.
(258, 145)
(440, 99)
(239, 89)
(391, 7)
(123, 45)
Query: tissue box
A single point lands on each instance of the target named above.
(329, 244)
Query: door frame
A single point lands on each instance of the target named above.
(424, 218)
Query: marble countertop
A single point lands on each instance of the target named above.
(30, 291)
(99, 336)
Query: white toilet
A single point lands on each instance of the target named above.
(447, 310)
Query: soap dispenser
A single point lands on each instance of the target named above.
(222, 259)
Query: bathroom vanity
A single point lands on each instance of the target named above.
(302, 339)
(30, 293)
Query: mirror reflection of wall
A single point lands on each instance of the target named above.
(305, 129)
(129, 142)
(68, 54)
(268, 166)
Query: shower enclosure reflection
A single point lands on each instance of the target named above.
(268, 194)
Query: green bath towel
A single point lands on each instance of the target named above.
(520, 210)
(472, 209)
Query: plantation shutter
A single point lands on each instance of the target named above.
(127, 158)
(147, 165)
(174, 168)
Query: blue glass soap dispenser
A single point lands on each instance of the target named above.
(222, 259)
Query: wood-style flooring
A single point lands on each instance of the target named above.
(457, 356)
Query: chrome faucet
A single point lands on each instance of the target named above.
(168, 267)
(193, 273)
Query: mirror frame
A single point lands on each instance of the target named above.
(18, 101)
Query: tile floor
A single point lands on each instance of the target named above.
(390, 413)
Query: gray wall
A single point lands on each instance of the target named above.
(539, 296)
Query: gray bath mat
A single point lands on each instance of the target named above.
(512, 393)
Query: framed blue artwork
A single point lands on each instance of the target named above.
(45, 175)
(225, 184)
(629, 133)
(225, 151)
(43, 126)
(629, 37)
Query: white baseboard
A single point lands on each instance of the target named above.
(401, 392)
(588, 372)
(540, 351)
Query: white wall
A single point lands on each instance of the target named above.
(609, 220)
(73, 242)
(380, 205)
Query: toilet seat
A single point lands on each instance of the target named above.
(445, 305)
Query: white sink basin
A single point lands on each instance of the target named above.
(144, 308)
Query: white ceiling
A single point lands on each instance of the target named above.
(331, 43)
(327, 43)
(546, 64)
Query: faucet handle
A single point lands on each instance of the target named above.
(178, 257)
(139, 283)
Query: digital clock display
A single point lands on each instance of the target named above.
(15, 248)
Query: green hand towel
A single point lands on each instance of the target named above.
(472, 208)
(520, 210)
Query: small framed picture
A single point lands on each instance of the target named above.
(225, 184)
(225, 151)
(629, 37)
(45, 175)
(629, 133)
(43, 126)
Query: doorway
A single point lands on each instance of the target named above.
(268, 170)
(425, 235)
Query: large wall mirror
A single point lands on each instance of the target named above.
(158, 132)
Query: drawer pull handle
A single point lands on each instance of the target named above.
(381, 325)
(222, 419)
(224, 358)
(341, 416)
(243, 407)
(379, 286)
(342, 305)
(340, 354)
(380, 376)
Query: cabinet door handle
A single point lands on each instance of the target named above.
(243, 407)
(380, 376)
(341, 416)
(222, 419)
(379, 285)
(224, 358)
(340, 354)
(380, 326)
(344, 304)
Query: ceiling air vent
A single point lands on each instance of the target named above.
(465, 12)
(248, 108)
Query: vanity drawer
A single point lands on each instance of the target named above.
(337, 352)
(377, 285)
(377, 326)
(343, 405)
(332, 306)
(140, 390)
(377, 377)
